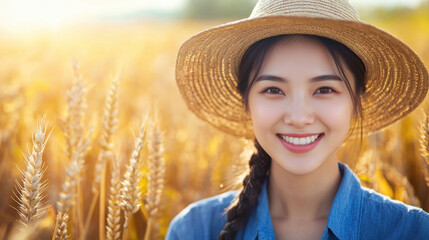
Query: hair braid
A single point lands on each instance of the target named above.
(259, 164)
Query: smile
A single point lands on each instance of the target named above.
(300, 143)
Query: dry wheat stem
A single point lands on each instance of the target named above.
(31, 199)
(89, 216)
(3, 231)
(130, 191)
(156, 165)
(113, 226)
(148, 231)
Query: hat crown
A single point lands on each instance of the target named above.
(333, 9)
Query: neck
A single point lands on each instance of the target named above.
(303, 197)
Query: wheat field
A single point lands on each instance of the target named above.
(96, 142)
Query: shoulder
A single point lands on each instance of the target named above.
(203, 219)
(383, 217)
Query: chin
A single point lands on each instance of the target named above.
(300, 167)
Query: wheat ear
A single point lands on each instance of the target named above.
(68, 192)
(66, 198)
(77, 144)
(155, 178)
(130, 191)
(77, 141)
(30, 196)
(113, 227)
(61, 229)
(424, 145)
(109, 127)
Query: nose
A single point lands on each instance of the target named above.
(299, 113)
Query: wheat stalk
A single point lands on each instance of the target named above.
(155, 178)
(130, 191)
(31, 200)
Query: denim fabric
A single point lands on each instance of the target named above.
(356, 213)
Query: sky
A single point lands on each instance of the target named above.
(51, 14)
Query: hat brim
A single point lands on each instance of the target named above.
(207, 66)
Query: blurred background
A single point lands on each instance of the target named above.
(137, 40)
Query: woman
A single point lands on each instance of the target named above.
(300, 77)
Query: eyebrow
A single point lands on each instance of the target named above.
(315, 79)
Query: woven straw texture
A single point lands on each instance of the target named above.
(207, 63)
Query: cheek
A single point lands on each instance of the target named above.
(263, 113)
(337, 114)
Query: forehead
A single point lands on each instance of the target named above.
(302, 58)
(299, 53)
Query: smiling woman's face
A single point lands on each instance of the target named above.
(299, 106)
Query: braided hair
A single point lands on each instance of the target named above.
(259, 164)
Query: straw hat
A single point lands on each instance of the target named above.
(207, 63)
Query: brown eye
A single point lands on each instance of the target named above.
(273, 90)
(325, 90)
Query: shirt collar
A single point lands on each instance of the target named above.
(259, 221)
(342, 220)
(345, 211)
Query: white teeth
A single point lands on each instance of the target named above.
(300, 141)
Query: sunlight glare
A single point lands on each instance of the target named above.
(22, 15)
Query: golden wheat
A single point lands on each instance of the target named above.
(77, 144)
(403, 190)
(196, 150)
(31, 198)
(61, 229)
(424, 145)
(66, 196)
(113, 227)
(130, 191)
(155, 178)
(109, 127)
(156, 165)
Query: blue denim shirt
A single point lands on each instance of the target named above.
(356, 213)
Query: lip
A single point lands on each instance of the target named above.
(300, 148)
